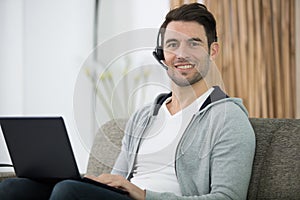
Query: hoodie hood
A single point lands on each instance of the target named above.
(216, 97)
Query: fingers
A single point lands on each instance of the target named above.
(112, 180)
(109, 179)
(121, 183)
(91, 177)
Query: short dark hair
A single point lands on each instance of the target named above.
(193, 12)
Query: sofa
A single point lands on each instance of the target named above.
(276, 166)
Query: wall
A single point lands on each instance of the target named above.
(126, 29)
(44, 45)
(11, 64)
(11, 57)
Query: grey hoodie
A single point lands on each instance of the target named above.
(214, 156)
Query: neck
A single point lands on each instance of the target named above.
(184, 96)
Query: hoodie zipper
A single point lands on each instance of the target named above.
(149, 120)
(180, 143)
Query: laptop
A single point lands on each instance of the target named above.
(40, 149)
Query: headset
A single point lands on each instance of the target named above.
(158, 53)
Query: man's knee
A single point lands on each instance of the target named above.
(22, 188)
(64, 190)
(9, 186)
(4, 185)
(10, 181)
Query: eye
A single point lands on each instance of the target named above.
(194, 44)
(171, 45)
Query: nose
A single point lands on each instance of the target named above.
(181, 52)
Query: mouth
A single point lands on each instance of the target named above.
(184, 66)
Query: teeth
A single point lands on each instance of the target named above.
(184, 66)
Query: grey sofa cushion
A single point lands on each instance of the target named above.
(276, 169)
(106, 147)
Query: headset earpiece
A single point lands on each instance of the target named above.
(158, 53)
(159, 60)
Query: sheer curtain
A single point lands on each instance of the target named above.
(257, 41)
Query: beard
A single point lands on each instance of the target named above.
(179, 78)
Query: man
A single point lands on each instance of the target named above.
(194, 143)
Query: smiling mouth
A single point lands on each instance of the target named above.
(184, 66)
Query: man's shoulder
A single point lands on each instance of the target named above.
(229, 104)
(152, 108)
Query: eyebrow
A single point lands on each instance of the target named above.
(195, 39)
(189, 40)
(171, 40)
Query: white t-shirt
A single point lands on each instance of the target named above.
(155, 164)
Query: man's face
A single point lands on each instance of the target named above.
(186, 52)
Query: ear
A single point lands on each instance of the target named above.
(214, 50)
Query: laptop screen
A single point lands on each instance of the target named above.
(39, 147)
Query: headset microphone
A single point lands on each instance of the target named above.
(159, 60)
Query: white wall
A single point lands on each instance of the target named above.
(43, 44)
(11, 64)
(43, 47)
(120, 16)
(11, 57)
(124, 26)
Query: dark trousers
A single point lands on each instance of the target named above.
(21, 189)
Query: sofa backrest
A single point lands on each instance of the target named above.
(106, 147)
(276, 167)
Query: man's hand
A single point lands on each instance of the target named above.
(120, 182)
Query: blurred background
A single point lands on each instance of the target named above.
(90, 60)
